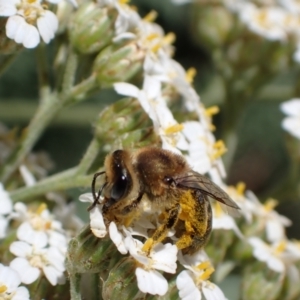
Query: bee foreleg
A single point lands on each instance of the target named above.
(162, 231)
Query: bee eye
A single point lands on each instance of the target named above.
(119, 188)
(168, 180)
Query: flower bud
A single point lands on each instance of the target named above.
(89, 254)
(124, 122)
(121, 282)
(117, 63)
(258, 277)
(92, 28)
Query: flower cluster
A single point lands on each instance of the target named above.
(273, 20)
(29, 20)
(41, 245)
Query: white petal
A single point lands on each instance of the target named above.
(47, 25)
(291, 107)
(292, 125)
(117, 238)
(186, 286)
(7, 9)
(97, 222)
(27, 234)
(52, 274)
(87, 197)
(126, 89)
(213, 292)
(165, 257)
(27, 273)
(151, 282)
(22, 32)
(21, 249)
(21, 293)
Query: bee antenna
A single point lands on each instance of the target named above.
(95, 195)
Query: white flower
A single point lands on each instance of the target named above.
(278, 256)
(31, 261)
(273, 222)
(5, 209)
(222, 220)
(161, 257)
(27, 21)
(194, 281)
(266, 21)
(292, 122)
(9, 285)
(39, 227)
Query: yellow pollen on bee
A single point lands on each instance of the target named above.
(151, 16)
(240, 188)
(220, 149)
(280, 247)
(148, 245)
(190, 75)
(213, 110)
(3, 288)
(174, 129)
(270, 204)
(41, 208)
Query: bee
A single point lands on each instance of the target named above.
(169, 184)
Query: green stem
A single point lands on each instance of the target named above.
(45, 113)
(42, 70)
(79, 92)
(61, 181)
(70, 73)
(50, 105)
(89, 156)
(75, 286)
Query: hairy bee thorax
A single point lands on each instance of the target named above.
(155, 169)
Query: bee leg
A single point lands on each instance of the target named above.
(162, 231)
(198, 223)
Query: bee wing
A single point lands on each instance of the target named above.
(194, 180)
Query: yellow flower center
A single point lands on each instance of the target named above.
(219, 149)
(190, 75)
(169, 38)
(3, 288)
(213, 110)
(218, 209)
(270, 204)
(151, 16)
(207, 269)
(240, 188)
(280, 248)
(173, 129)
